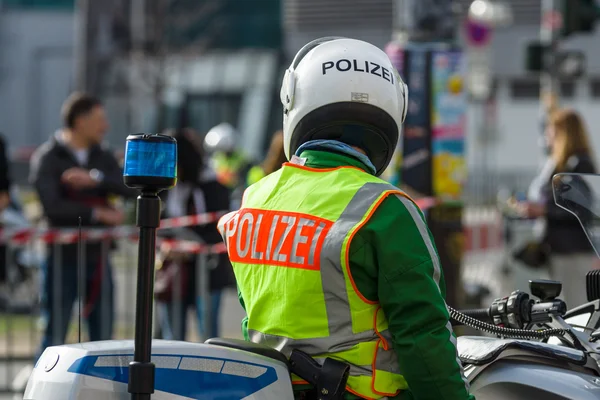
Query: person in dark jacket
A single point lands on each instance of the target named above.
(4, 200)
(197, 192)
(4, 175)
(74, 175)
(572, 254)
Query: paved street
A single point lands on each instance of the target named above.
(7, 374)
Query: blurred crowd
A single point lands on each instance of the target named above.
(78, 180)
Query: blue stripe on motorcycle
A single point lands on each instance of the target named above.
(184, 375)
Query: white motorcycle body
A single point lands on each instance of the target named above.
(99, 371)
(512, 369)
(497, 369)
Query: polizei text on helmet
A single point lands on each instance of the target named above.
(368, 67)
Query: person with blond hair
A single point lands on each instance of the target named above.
(571, 255)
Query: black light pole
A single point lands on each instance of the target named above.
(150, 167)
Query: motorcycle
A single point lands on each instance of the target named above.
(538, 349)
(17, 294)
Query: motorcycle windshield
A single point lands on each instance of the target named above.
(580, 195)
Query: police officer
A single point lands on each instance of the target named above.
(230, 165)
(332, 260)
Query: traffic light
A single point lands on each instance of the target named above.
(534, 56)
(567, 64)
(578, 16)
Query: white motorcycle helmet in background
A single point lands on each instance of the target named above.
(221, 138)
(346, 90)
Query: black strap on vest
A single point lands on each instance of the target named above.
(329, 379)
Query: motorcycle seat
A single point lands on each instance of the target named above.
(250, 347)
(479, 350)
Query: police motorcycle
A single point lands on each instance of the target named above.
(560, 361)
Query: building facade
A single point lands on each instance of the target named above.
(37, 70)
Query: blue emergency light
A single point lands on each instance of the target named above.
(150, 162)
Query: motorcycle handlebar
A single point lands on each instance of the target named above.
(516, 311)
(481, 314)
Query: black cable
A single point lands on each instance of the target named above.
(480, 314)
(508, 332)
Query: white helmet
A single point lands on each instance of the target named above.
(347, 90)
(220, 138)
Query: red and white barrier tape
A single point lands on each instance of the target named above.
(488, 234)
(190, 247)
(71, 235)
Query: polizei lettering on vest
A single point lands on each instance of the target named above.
(277, 238)
(368, 67)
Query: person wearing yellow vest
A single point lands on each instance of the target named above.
(230, 165)
(330, 259)
(273, 161)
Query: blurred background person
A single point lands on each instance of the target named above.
(4, 175)
(15, 273)
(197, 192)
(74, 175)
(230, 164)
(273, 161)
(4, 202)
(571, 255)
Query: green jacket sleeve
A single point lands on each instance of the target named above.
(245, 319)
(411, 292)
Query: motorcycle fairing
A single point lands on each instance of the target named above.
(250, 347)
(99, 370)
(477, 350)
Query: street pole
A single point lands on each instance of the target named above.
(549, 86)
(137, 24)
(82, 39)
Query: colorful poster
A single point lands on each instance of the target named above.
(448, 124)
(449, 168)
(448, 95)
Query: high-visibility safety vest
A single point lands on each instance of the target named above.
(228, 168)
(289, 246)
(255, 174)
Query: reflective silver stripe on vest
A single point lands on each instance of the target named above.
(325, 345)
(437, 270)
(337, 305)
(317, 346)
(332, 276)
